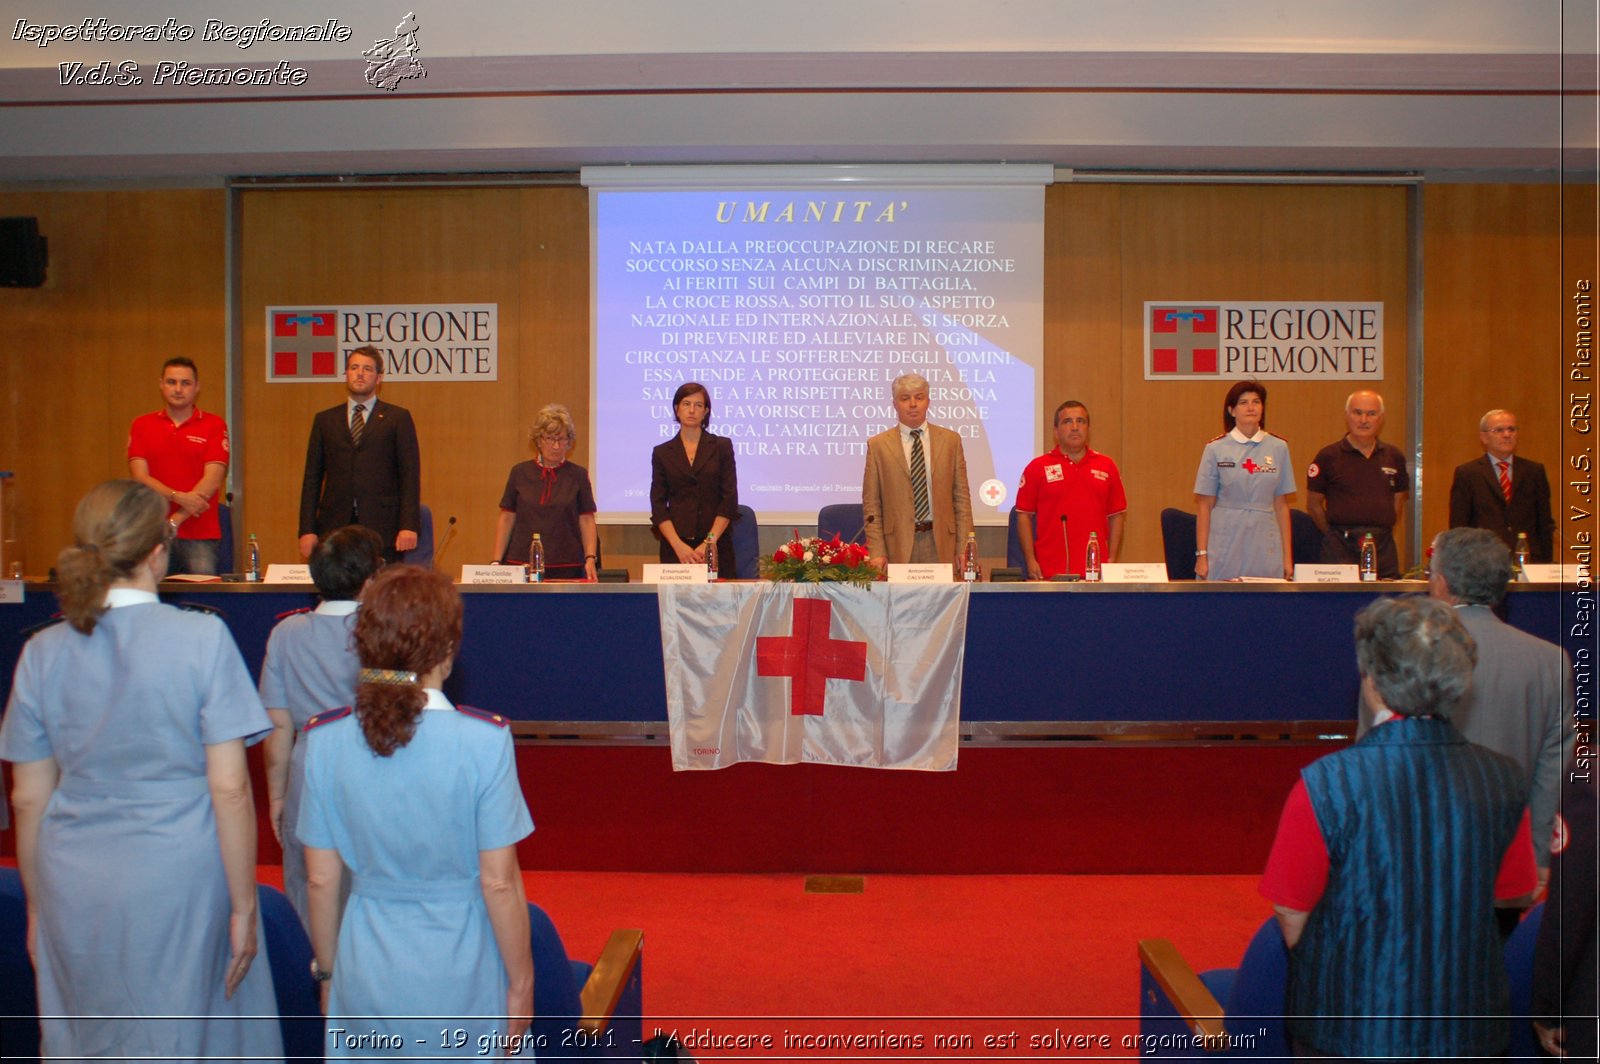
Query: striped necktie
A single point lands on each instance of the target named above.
(919, 479)
(1505, 479)
(358, 424)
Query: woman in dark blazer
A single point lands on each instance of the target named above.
(694, 489)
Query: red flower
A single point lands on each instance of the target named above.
(779, 557)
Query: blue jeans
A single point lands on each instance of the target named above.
(194, 556)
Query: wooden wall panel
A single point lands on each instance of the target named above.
(135, 277)
(1248, 243)
(397, 246)
(138, 275)
(1492, 318)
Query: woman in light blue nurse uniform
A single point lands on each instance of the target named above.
(1241, 494)
(419, 798)
(136, 830)
(311, 666)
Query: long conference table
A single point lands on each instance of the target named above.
(1129, 729)
(1041, 659)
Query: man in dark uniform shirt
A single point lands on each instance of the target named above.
(1358, 485)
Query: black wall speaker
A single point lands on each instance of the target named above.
(24, 254)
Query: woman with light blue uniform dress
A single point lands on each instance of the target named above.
(136, 828)
(311, 666)
(420, 800)
(1241, 495)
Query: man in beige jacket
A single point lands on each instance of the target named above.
(914, 495)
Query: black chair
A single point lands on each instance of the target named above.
(746, 533)
(1305, 538)
(422, 553)
(844, 519)
(581, 1009)
(1178, 542)
(1249, 999)
(225, 555)
(288, 950)
(19, 997)
(1014, 555)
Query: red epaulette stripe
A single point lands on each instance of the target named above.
(291, 613)
(326, 717)
(484, 715)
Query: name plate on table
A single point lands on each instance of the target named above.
(11, 592)
(1134, 572)
(1327, 574)
(493, 574)
(920, 573)
(288, 574)
(656, 573)
(1549, 574)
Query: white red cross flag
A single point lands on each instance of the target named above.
(829, 673)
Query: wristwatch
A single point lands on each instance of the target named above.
(1201, 553)
(318, 974)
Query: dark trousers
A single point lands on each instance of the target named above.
(1341, 545)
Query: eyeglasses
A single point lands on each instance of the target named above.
(560, 440)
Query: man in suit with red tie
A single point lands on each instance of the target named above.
(362, 464)
(1504, 493)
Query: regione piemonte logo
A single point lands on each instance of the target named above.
(303, 345)
(392, 60)
(1183, 338)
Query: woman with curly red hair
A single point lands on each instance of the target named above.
(419, 798)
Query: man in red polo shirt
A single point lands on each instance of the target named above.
(182, 452)
(1074, 482)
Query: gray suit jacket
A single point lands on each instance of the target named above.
(890, 511)
(1521, 705)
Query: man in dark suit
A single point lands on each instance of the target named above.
(1503, 494)
(1521, 700)
(362, 464)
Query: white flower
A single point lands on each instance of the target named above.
(810, 555)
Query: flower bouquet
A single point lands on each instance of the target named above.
(819, 561)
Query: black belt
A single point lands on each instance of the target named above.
(923, 526)
(1344, 532)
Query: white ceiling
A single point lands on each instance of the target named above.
(1346, 86)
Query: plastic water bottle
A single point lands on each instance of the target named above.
(711, 557)
(969, 558)
(1369, 558)
(536, 560)
(1519, 557)
(1091, 559)
(252, 571)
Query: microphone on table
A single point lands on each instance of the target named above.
(1066, 553)
(449, 534)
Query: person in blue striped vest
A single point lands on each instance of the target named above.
(1391, 854)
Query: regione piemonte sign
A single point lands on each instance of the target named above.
(419, 341)
(1265, 341)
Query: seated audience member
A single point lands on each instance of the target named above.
(311, 666)
(1390, 856)
(419, 799)
(553, 497)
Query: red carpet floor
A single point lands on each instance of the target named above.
(1047, 957)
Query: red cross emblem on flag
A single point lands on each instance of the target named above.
(810, 657)
(1183, 339)
(303, 344)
